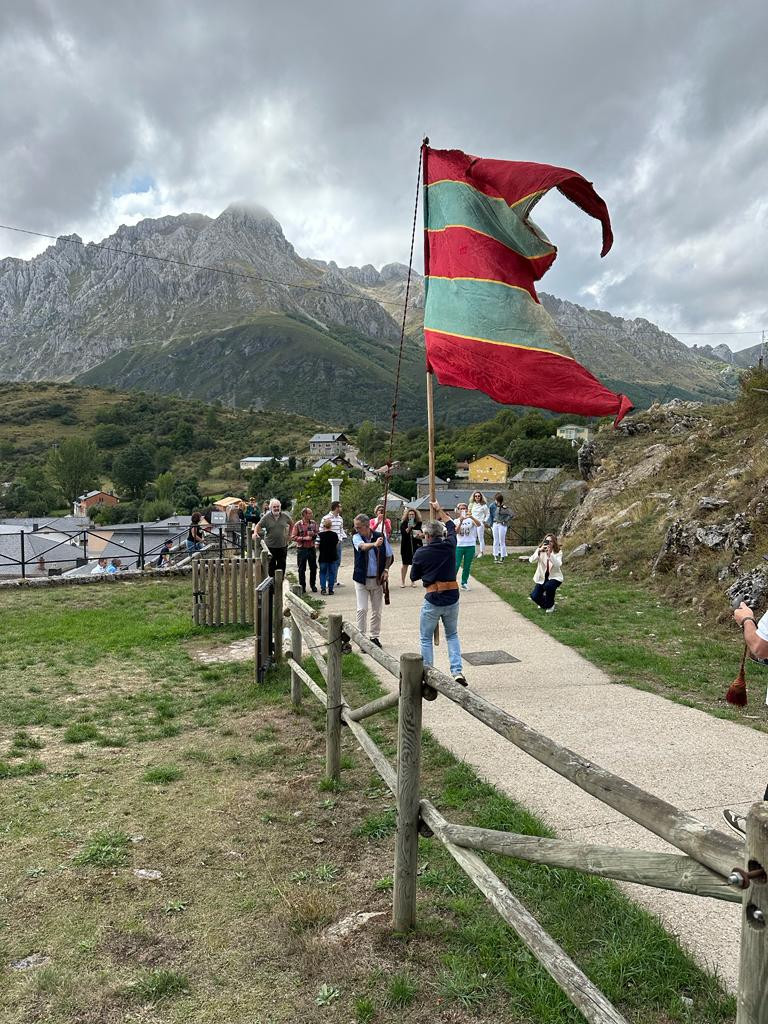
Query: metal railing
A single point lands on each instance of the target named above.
(148, 548)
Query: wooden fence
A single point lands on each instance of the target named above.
(223, 590)
(711, 863)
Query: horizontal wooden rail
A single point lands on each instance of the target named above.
(386, 661)
(392, 665)
(294, 601)
(660, 870)
(389, 700)
(313, 642)
(309, 682)
(576, 985)
(376, 756)
(706, 845)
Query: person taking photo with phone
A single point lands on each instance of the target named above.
(548, 557)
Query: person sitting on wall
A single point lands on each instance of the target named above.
(163, 560)
(100, 569)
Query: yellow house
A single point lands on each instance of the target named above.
(489, 469)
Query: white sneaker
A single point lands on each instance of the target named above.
(464, 586)
(549, 610)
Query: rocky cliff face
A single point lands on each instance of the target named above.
(80, 308)
(638, 352)
(73, 306)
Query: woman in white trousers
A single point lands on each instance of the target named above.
(478, 509)
(500, 515)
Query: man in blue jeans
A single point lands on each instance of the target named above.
(435, 565)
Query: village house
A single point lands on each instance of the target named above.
(448, 500)
(257, 461)
(575, 433)
(422, 485)
(92, 501)
(489, 469)
(328, 444)
(337, 460)
(534, 475)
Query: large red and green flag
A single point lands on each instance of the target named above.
(484, 326)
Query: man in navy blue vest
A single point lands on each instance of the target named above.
(372, 560)
(435, 565)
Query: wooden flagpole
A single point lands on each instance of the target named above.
(430, 388)
(431, 441)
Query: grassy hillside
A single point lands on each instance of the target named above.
(190, 438)
(278, 361)
(680, 482)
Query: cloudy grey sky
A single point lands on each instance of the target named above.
(110, 112)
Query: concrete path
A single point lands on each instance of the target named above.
(687, 757)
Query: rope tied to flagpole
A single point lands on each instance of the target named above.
(396, 391)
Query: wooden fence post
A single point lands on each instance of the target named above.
(333, 690)
(295, 654)
(408, 770)
(277, 616)
(210, 590)
(752, 1004)
(196, 591)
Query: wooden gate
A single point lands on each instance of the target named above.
(223, 590)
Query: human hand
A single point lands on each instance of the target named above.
(378, 543)
(743, 612)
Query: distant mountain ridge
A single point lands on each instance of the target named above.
(277, 330)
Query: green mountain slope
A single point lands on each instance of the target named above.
(285, 362)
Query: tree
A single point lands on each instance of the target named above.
(524, 452)
(133, 469)
(367, 440)
(186, 495)
(539, 507)
(157, 509)
(110, 435)
(31, 494)
(445, 462)
(165, 485)
(74, 466)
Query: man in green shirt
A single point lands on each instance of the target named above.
(274, 528)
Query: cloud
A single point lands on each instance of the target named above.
(110, 113)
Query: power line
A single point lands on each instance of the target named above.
(199, 266)
(606, 328)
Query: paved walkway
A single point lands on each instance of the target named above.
(685, 756)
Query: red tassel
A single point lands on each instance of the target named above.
(737, 691)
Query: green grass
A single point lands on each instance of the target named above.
(156, 986)
(105, 849)
(162, 775)
(21, 768)
(401, 991)
(377, 826)
(81, 732)
(256, 862)
(635, 636)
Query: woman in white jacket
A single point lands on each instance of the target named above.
(549, 572)
(478, 509)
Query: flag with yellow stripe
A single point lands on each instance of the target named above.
(484, 326)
